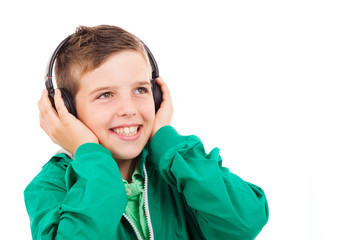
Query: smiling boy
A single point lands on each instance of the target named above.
(129, 174)
(116, 103)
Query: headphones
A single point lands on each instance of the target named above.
(69, 100)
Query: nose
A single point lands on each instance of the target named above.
(126, 107)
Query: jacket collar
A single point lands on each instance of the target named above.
(142, 158)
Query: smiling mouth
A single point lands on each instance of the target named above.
(126, 131)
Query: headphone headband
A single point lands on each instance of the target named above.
(50, 65)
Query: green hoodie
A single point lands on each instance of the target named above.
(187, 195)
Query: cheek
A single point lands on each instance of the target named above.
(147, 111)
(94, 119)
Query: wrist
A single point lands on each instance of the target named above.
(165, 141)
(83, 142)
(90, 147)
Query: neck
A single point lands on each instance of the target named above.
(127, 168)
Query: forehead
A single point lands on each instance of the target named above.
(120, 68)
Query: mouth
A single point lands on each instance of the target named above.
(128, 131)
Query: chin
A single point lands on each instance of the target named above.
(129, 154)
(124, 150)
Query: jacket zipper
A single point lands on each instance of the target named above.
(146, 204)
(133, 226)
(147, 212)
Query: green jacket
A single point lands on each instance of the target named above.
(188, 195)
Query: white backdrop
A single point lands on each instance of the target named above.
(273, 84)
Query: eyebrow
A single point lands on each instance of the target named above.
(107, 88)
(140, 83)
(100, 89)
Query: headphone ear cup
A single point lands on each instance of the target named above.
(68, 101)
(157, 94)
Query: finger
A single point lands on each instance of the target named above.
(49, 118)
(46, 129)
(42, 101)
(42, 124)
(164, 89)
(60, 105)
(45, 108)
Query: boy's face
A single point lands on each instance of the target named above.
(115, 101)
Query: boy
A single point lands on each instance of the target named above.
(128, 173)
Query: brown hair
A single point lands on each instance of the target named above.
(87, 49)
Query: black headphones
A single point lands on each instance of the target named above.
(68, 99)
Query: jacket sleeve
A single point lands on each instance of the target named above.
(225, 206)
(84, 200)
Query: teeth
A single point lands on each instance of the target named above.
(126, 131)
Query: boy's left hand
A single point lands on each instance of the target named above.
(164, 114)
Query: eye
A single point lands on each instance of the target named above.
(105, 95)
(141, 90)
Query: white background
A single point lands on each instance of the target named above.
(273, 84)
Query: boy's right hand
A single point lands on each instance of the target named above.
(61, 126)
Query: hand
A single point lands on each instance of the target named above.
(164, 114)
(61, 126)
